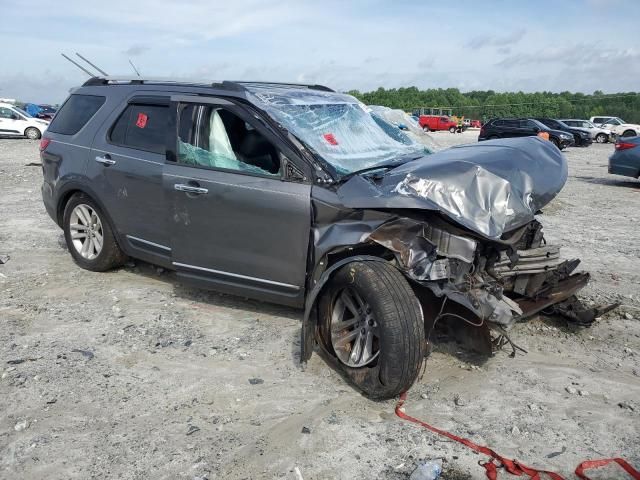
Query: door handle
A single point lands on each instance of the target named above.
(190, 189)
(105, 160)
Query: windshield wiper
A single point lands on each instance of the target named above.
(380, 166)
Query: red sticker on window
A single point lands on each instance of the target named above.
(142, 120)
(331, 140)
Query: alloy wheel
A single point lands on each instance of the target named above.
(355, 334)
(85, 228)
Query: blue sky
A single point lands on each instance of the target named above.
(575, 45)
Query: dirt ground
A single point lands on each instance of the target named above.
(129, 375)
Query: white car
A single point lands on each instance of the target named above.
(15, 122)
(600, 135)
(617, 126)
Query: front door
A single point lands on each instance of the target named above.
(10, 122)
(238, 223)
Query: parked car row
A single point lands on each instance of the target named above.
(598, 134)
(583, 132)
(618, 127)
(15, 122)
(524, 127)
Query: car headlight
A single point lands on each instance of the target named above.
(566, 137)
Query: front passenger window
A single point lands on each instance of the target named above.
(214, 137)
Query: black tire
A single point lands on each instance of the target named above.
(425, 128)
(555, 142)
(602, 138)
(398, 315)
(110, 255)
(629, 133)
(32, 133)
(452, 129)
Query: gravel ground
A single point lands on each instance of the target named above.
(130, 375)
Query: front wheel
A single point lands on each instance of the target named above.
(32, 133)
(602, 138)
(89, 236)
(425, 128)
(556, 143)
(452, 129)
(372, 323)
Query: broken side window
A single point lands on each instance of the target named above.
(214, 137)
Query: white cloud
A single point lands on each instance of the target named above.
(492, 40)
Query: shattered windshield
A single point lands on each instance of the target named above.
(337, 127)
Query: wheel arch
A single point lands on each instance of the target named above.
(32, 127)
(309, 320)
(69, 191)
(357, 254)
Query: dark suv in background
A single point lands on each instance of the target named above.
(294, 194)
(523, 127)
(580, 137)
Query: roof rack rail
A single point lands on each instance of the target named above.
(246, 83)
(109, 80)
(231, 85)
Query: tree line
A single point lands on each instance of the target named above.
(486, 104)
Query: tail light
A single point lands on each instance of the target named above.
(44, 143)
(625, 145)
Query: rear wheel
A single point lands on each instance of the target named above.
(452, 129)
(425, 128)
(32, 133)
(601, 138)
(89, 236)
(629, 133)
(372, 323)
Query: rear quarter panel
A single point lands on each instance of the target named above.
(64, 162)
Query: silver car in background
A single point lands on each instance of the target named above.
(598, 134)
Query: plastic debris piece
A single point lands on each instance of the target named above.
(427, 470)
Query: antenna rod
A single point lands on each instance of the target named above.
(134, 68)
(100, 70)
(79, 66)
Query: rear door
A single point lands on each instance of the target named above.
(527, 128)
(510, 128)
(239, 221)
(125, 167)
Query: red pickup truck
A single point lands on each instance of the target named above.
(437, 122)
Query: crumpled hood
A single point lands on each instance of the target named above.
(490, 187)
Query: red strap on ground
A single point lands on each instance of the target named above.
(512, 466)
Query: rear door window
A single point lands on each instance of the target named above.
(75, 113)
(142, 127)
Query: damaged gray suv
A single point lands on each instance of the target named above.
(299, 195)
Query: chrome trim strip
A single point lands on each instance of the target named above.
(128, 156)
(236, 275)
(70, 144)
(141, 240)
(106, 151)
(194, 177)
